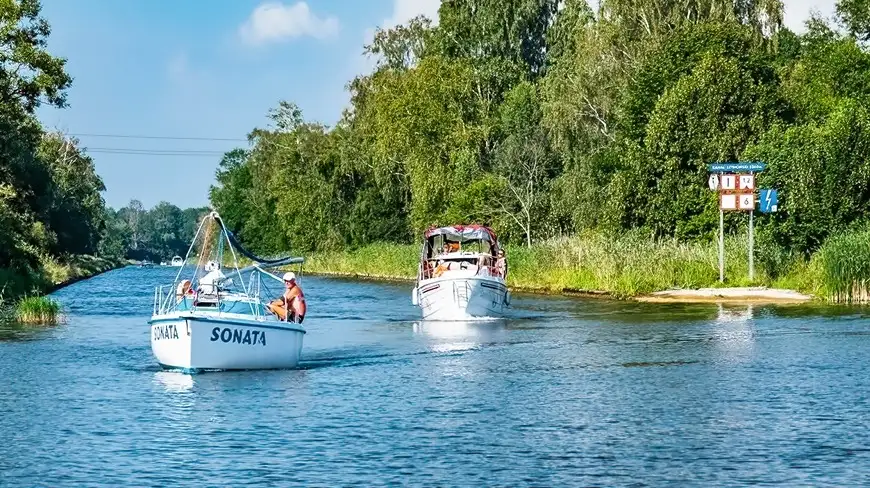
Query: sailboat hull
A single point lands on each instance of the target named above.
(197, 341)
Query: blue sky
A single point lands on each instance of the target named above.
(213, 69)
(190, 69)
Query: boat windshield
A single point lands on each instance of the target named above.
(464, 249)
(442, 246)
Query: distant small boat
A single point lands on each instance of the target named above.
(210, 322)
(177, 261)
(146, 264)
(461, 275)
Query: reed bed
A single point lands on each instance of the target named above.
(37, 311)
(379, 260)
(843, 267)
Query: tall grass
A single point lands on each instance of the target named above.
(379, 260)
(625, 265)
(843, 264)
(37, 311)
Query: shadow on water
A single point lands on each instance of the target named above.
(16, 332)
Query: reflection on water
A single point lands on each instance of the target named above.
(13, 331)
(459, 335)
(174, 381)
(734, 313)
(735, 331)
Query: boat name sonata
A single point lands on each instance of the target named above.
(165, 332)
(238, 336)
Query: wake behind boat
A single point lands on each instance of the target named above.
(461, 274)
(217, 321)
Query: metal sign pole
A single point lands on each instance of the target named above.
(751, 247)
(752, 234)
(721, 246)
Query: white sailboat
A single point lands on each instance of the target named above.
(461, 274)
(213, 322)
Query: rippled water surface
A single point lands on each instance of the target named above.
(564, 392)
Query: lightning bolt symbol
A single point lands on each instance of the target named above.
(767, 199)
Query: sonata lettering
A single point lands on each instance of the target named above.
(163, 332)
(238, 336)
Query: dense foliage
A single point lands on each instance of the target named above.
(50, 202)
(545, 118)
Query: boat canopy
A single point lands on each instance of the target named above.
(463, 233)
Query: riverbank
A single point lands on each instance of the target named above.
(79, 268)
(53, 275)
(591, 264)
(758, 295)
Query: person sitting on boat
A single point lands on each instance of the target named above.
(208, 284)
(183, 288)
(290, 307)
(501, 264)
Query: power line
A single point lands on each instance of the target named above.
(158, 151)
(154, 152)
(176, 138)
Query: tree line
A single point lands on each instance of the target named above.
(546, 117)
(51, 204)
(50, 195)
(156, 234)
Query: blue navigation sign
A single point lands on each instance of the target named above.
(767, 201)
(735, 167)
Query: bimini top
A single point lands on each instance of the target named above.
(463, 233)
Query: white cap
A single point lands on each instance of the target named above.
(289, 276)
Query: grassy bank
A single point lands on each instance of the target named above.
(381, 260)
(21, 294)
(631, 265)
(62, 273)
(625, 266)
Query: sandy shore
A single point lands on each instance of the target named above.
(729, 295)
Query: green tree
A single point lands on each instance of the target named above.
(235, 186)
(76, 209)
(855, 15)
(525, 164)
(822, 170)
(29, 75)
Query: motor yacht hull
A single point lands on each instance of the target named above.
(466, 298)
(200, 341)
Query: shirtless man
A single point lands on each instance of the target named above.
(292, 301)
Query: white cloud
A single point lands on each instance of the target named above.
(796, 12)
(275, 22)
(405, 10)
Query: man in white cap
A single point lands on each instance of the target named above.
(208, 284)
(290, 307)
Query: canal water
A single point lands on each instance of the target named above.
(564, 392)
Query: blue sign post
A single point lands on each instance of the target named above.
(737, 192)
(768, 201)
